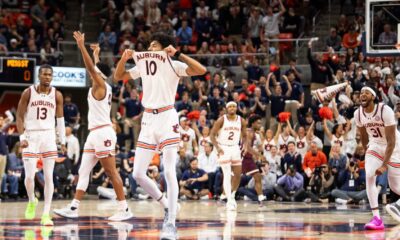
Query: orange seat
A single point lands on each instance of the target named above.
(285, 46)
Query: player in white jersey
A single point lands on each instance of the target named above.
(226, 134)
(38, 109)
(377, 125)
(160, 127)
(100, 143)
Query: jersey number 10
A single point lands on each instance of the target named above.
(151, 68)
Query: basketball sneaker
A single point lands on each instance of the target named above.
(394, 211)
(46, 220)
(165, 221)
(121, 215)
(231, 204)
(376, 223)
(169, 232)
(67, 212)
(30, 210)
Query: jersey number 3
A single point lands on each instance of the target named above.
(376, 133)
(41, 113)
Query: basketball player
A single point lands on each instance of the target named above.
(377, 125)
(100, 143)
(226, 134)
(160, 127)
(253, 155)
(38, 109)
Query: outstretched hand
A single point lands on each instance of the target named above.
(96, 48)
(80, 38)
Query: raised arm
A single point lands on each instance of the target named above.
(21, 110)
(292, 131)
(310, 129)
(289, 86)
(194, 67)
(283, 9)
(267, 84)
(326, 130)
(278, 132)
(120, 71)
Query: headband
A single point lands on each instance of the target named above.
(231, 103)
(369, 90)
(100, 72)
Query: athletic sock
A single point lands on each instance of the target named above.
(75, 204)
(123, 205)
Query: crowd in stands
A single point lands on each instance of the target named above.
(32, 28)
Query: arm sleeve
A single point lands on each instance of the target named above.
(388, 116)
(134, 72)
(180, 68)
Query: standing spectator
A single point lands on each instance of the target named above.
(208, 162)
(47, 54)
(290, 186)
(133, 114)
(71, 112)
(293, 68)
(254, 24)
(350, 39)
(188, 138)
(184, 34)
(184, 106)
(321, 74)
(203, 28)
(107, 41)
(292, 23)
(193, 182)
(296, 99)
(234, 24)
(271, 22)
(153, 13)
(72, 145)
(38, 15)
(334, 40)
(387, 37)
(259, 103)
(216, 103)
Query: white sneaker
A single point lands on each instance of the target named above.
(121, 215)
(169, 232)
(67, 212)
(246, 198)
(165, 221)
(143, 196)
(340, 201)
(394, 211)
(231, 205)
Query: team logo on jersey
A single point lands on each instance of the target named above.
(185, 137)
(107, 143)
(175, 128)
(300, 145)
(377, 118)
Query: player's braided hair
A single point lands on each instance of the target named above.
(164, 39)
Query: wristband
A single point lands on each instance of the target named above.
(177, 54)
(22, 137)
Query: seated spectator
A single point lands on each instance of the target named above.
(321, 74)
(291, 158)
(14, 170)
(274, 161)
(184, 106)
(208, 162)
(268, 182)
(351, 186)
(387, 37)
(182, 163)
(334, 40)
(321, 183)
(337, 160)
(193, 182)
(47, 54)
(290, 186)
(313, 158)
(153, 13)
(71, 112)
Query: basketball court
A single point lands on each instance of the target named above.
(200, 220)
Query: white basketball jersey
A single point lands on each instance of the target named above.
(267, 145)
(301, 146)
(99, 110)
(160, 77)
(282, 142)
(187, 137)
(229, 134)
(375, 123)
(41, 110)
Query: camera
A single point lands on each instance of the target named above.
(352, 164)
(317, 170)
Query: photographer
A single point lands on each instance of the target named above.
(290, 186)
(321, 183)
(351, 186)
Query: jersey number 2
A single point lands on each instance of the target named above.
(151, 68)
(41, 113)
(377, 133)
(231, 134)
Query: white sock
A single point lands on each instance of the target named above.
(376, 213)
(170, 156)
(75, 203)
(123, 205)
(227, 172)
(30, 169)
(233, 194)
(48, 168)
(260, 197)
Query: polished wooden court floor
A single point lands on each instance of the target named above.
(200, 220)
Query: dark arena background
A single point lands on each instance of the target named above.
(270, 57)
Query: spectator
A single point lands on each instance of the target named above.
(14, 47)
(337, 161)
(290, 186)
(204, 51)
(216, 103)
(293, 68)
(208, 162)
(254, 71)
(296, 99)
(268, 182)
(313, 158)
(107, 41)
(133, 114)
(278, 98)
(15, 168)
(38, 15)
(321, 183)
(184, 106)
(126, 19)
(334, 40)
(271, 22)
(234, 23)
(387, 37)
(350, 39)
(153, 13)
(71, 113)
(47, 54)
(254, 24)
(352, 186)
(72, 144)
(184, 34)
(182, 162)
(321, 74)
(203, 28)
(291, 158)
(193, 182)
(4, 123)
(258, 103)
(292, 23)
